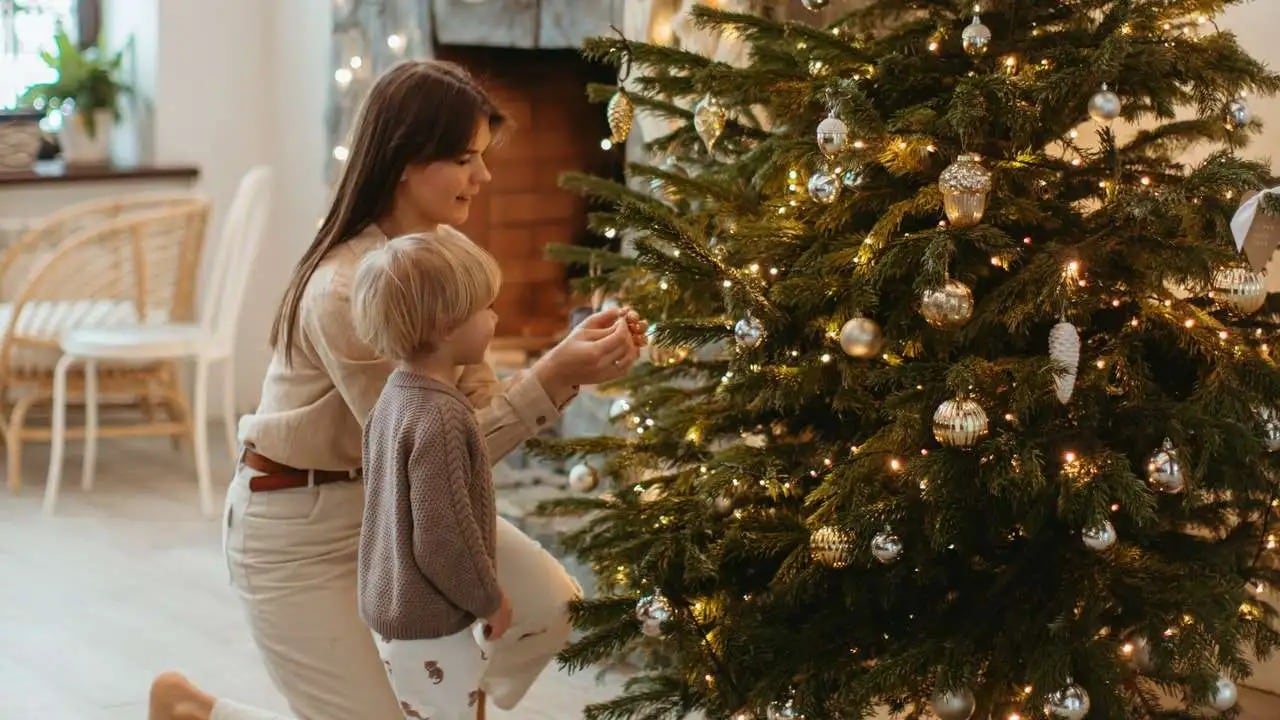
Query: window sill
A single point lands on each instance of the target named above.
(55, 172)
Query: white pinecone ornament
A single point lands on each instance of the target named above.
(1064, 348)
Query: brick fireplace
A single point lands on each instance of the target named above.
(556, 130)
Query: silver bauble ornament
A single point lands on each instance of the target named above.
(1099, 537)
(1105, 105)
(965, 186)
(886, 546)
(853, 178)
(1238, 114)
(709, 118)
(583, 478)
(1064, 349)
(976, 37)
(1164, 469)
(831, 546)
(1270, 419)
(959, 423)
(653, 611)
(833, 134)
(949, 306)
(861, 338)
(621, 113)
(824, 187)
(1240, 289)
(1069, 703)
(748, 332)
(783, 711)
(1224, 695)
(815, 5)
(953, 704)
(620, 410)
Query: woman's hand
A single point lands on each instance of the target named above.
(602, 348)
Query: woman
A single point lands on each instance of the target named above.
(293, 510)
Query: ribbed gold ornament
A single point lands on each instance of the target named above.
(959, 423)
(621, 114)
(831, 546)
(1240, 289)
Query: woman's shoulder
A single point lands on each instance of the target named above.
(333, 276)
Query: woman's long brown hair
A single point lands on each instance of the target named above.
(417, 112)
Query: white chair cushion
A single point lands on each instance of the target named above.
(134, 342)
(49, 320)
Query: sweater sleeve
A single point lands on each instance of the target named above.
(447, 543)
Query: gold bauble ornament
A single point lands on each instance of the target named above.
(621, 114)
(949, 306)
(959, 423)
(965, 187)
(831, 546)
(861, 338)
(976, 37)
(1240, 289)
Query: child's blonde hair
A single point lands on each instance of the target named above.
(415, 289)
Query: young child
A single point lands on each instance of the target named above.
(426, 562)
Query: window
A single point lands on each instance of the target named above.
(26, 28)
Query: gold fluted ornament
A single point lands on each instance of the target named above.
(621, 114)
(959, 423)
(831, 546)
(1240, 289)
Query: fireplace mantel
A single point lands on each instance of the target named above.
(528, 24)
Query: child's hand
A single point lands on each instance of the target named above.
(497, 624)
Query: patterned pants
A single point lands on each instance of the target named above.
(437, 679)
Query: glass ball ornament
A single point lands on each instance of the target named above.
(1240, 289)
(748, 332)
(886, 546)
(653, 612)
(1164, 469)
(833, 135)
(824, 187)
(949, 306)
(1105, 105)
(1238, 114)
(1270, 419)
(1099, 537)
(959, 423)
(953, 704)
(831, 546)
(1224, 695)
(1068, 703)
(783, 711)
(583, 478)
(621, 409)
(860, 337)
(722, 505)
(815, 5)
(965, 186)
(976, 37)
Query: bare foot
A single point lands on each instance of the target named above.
(173, 697)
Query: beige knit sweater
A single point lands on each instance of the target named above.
(426, 561)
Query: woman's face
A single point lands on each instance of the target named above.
(440, 192)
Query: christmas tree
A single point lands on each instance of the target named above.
(960, 403)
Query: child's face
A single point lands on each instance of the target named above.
(471, 338)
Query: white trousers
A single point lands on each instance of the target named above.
(291, 555)
(436, 679)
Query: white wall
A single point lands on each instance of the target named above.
(225, 86)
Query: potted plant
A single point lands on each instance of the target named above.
(87, 93)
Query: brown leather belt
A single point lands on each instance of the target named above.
(282, 477)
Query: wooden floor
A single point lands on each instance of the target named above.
(129, 580)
